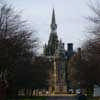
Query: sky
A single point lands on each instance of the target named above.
(70, 18)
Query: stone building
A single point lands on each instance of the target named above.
(55, 51)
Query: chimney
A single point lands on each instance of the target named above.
(70, 47)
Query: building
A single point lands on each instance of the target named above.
(49, 50)
(55, 50)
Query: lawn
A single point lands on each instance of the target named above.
(30, 98)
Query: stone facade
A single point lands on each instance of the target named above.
(55, 50)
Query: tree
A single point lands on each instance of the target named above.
(17, 48)
(92, 46)
(34, 76)
(90, 67)
(74, 64)
(42, 66)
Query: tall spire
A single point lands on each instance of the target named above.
(53, 38)
(53, 22)
(53, 17)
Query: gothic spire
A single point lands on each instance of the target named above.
(53, 38)
(53, 21)
(53, 17)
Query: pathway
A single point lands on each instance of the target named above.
(61, 98)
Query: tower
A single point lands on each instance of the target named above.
(50, 49)
(55, 51)
(53, 23)
(70, 50)
(60, 59)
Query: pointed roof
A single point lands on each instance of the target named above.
(53, 17)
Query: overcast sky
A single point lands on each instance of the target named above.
(69, 17)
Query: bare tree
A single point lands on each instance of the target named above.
(17, 47)
(91, 51)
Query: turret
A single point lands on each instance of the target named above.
(70, 50)
(70, 47)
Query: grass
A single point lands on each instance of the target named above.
(30, 98)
